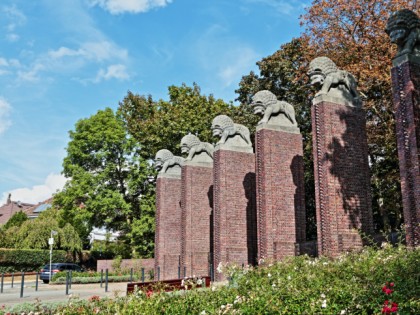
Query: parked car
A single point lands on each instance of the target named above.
(57, 267)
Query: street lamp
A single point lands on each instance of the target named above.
(51, 242)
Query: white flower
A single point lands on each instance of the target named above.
(261, 261)
(219, 268)
(289, 277)
(323, 295)
(273, 285)
(203, 313)
(269, 275)
(343, 312)
(200, 281)
(223, 307)
(324, 304)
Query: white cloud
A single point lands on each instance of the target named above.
(32, 74)
(118, 72)
(97, 51)
(14, 18)
(238, 61)
(5, 109)
(64, 52)
(283, 6)
(103, 50)
(37, 193)
(131, 6)
(230, 58)
(12, 37)
(3, 62)
(7, 65)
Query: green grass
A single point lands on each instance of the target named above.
(350, 284)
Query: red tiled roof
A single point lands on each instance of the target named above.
(10, 208)
(30, 210)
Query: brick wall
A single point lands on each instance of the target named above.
(342, 180)
(168, 227)
(197, 203)
(406, 95)
(280, 193)
(235, 234)
(137, 264)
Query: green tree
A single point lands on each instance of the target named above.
(34, 234)
(162, 124)
(108, 178)
(16, 220)
(280, 73)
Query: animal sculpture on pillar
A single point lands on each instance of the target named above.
(265, 103)
(224, 127)
(403, 28)
(164, 159)
(192, 145)
(331, 81)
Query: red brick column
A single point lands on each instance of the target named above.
(168, 226)
(342, 180)
(235, 236)
(280, 192)
(197, 202)
(406, 91)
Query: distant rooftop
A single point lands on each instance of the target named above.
(35, 210)
(11, 207)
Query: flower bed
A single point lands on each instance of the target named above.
(354, 283)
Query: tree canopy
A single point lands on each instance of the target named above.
(109, 182)
(34, 234)
(161, 124)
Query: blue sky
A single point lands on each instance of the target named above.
(61, 61)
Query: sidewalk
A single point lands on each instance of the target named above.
(57, 293)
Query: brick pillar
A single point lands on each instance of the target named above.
(280, 192)
(197, 203)
(168, 225)
(342, 181)
(235, 236)
(406, 90)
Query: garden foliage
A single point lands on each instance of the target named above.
(354, 283)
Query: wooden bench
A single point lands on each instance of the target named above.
(165, 285)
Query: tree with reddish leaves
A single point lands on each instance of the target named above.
(352, 34)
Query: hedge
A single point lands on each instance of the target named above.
(15, 260)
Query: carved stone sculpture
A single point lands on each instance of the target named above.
(224, 127)
(191, 145)
(265, 103)
(403, 28)
(164, 159)
(324, 74)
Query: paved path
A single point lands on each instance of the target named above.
(55, 293)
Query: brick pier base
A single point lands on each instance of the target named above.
(235, 234)
(406, 93)
(168, 226)
(342, 180)
(280, 192)
(197, 203)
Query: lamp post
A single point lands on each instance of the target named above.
(51, 242)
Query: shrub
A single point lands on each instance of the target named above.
(15, 260)
(354, 283)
